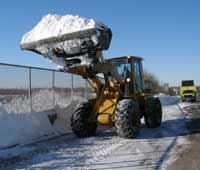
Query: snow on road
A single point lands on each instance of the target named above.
(153, 149)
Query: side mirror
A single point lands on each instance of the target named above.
(148, 86)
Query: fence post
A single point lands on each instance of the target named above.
(30, 91)
(53, 87)
(72, 86)
(86, 89)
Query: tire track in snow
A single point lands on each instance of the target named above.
(106, 150)
(154, 149)
(68, 152)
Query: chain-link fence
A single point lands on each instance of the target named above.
(27, 89)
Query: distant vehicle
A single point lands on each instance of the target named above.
(188, 91)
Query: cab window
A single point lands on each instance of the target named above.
(138, 75)
(123, 69)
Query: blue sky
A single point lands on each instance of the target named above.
(165, 32)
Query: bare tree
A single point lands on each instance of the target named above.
(156, 87)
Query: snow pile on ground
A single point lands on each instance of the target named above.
(41, 100)
(20, 128)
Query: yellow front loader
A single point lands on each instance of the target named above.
(120, 100)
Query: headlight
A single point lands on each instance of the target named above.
(128, 79)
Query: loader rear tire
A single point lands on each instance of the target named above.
(81, 122)
(153, 114)
(127, 119)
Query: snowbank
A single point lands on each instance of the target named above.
(21, 128)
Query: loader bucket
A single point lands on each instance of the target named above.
(72, 49)
(103, 39)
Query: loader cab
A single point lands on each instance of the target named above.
(129, 69)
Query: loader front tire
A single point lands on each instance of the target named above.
(153, 113)
(127, 119)
(81, 121)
